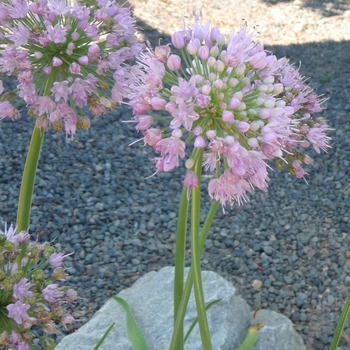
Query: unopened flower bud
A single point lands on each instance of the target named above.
(214, 33)
(84, 60)
(191, 48)
(174, 62)
(158, 103)
(212, 77)
(227, 116)
(269, 80)
(270, 103)
(211, 62)
(280, 103)
(221, 39)
(214, 51)
(75, 36)
(38, 55)
(233, 82)
(240, 69)
(203, 53)
(93, 49)
(177, 40)
(258, 60)
(177, 133)
(234, 103)
(199, 142)
(219, 66)
(243, 126)
(56, 62)
(253, 142)
(211, 134)
(220, 96)
(239, 95)
(189, 163)
(278, 88)
(206, 89)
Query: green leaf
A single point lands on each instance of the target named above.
(193, 324)
(104, 336)
(135, 334)
(340, 327)
(250, 338)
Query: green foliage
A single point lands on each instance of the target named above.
(340, 327)
(135, 334)
(211, 303)
(250, 338)
(104, 336)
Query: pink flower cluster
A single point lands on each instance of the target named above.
(65, 58)
(232, 100)
(27, 295)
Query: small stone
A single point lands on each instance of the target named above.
(257, 284)
(288, 280)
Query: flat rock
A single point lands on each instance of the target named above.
(151, 301)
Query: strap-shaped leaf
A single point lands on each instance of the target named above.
(250, 338)
(340, 327)
(134, 332)
(211, 303)
(104, 336)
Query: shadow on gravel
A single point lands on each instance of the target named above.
(327, 8)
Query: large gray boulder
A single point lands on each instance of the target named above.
(151, 301)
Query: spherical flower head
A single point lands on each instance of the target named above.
(28, 296)
(51, 42)
(237, 104)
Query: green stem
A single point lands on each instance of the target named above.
(197, 283)
(29, 172)
(180, 248)
(28, 179)
(189, 282)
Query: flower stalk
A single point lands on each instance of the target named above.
(196, 256)
(28, 180)
(180, 249)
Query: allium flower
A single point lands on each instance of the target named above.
(27, 296)
(241, 105)
(65, 56)
(21, 289)
(51, 293)
(18, 311)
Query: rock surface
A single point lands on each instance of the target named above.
(151, 300)
(277, 333)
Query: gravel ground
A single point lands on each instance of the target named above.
(92, 198)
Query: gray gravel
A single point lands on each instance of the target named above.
(91, 198)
